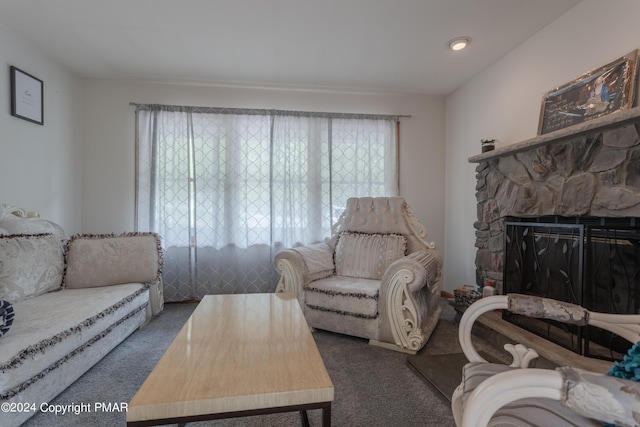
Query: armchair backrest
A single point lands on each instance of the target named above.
(383, 215)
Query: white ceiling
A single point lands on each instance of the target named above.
(355, 45)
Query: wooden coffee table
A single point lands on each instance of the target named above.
(237, 355)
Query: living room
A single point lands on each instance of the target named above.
(78, 169)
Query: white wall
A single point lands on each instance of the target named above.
(504, 103)
(109, 152)
(78, 169)
(40, 166)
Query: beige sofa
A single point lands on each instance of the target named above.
(375, 278)
(73, 300)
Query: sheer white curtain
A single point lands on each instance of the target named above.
(226, 189)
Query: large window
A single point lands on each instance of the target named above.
(226, 189)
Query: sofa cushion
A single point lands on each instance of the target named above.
(6, 317)
(30, 265)
(48, 328)
(103, 260)
(367, 255)
(349, 296)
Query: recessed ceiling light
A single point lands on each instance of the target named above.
(459, 43)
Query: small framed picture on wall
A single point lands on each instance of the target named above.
(26, 96)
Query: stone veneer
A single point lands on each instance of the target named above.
(591, 169)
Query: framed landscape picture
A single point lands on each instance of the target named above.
(594, 94)
(26, 96)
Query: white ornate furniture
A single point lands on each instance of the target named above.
(73, 301)
(500, 395)
(375, 278)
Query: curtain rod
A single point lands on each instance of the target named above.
(257, 111)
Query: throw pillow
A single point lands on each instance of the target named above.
(6, 317)
(318, 258)
(367, 256)
(107, 259)
(30, 265)
(628, 368)
(12, 224)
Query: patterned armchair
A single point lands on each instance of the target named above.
(499, 395)
(375, 278)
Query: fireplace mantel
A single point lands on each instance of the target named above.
(614, 120)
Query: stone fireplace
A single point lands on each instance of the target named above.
(588, 173)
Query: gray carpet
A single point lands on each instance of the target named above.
(373, 386)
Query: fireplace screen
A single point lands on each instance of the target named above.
(592, 262)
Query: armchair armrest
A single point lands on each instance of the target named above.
(604, 398)
(506, 387)
(420, 268)
(624, 325)
(473, 312)
(408, 302)
(519, 304)
(526, 305)
(300, 266)
(293, 271)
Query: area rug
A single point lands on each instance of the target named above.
(441, 360)
(373, 386)
(443, 371)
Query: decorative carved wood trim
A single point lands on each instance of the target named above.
(19, 212)
(522, 355)
(402, 312)
(418, 228)
(287, 282)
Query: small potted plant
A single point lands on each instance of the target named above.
(487, 144)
